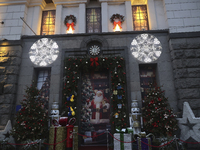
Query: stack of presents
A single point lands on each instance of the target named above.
(63, 135)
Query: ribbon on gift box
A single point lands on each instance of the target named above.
(57, 133)
(143, 135)
(145, 138)
(121, 131)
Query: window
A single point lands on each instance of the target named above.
(43, 84)
(140, 19)
(147, 78)
(48, 22)
(93, 20)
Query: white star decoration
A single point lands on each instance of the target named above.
(189, 124)
(4, 133)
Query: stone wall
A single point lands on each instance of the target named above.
(13, 26)
(183, 15)
(185, 54)
(10, 59)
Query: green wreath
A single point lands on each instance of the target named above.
(70, 17)
(117, 16)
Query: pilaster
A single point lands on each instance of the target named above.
(104, 16)
(129, 17)
(152, 15)
(58, 19)
(82, 18)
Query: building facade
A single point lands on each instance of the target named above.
(174, 23)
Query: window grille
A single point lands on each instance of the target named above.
(93, 20)
(140, 18)
(48, 22)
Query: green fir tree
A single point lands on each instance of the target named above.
(31, 119)
(158, 117)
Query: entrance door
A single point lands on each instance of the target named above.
(95, 110)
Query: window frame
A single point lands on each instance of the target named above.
(100, 26)
(41, 31)
(147, 18)
(36, 76)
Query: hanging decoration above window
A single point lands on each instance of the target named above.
(44, 52)
(70, 22)
(146, 48)
(117, 20)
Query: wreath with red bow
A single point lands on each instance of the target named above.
(117, 16)
(70, 17)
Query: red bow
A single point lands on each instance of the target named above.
(70, 24)
(119, 24)
(94, 60)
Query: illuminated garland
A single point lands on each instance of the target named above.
(116, 66)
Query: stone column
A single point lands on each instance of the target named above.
(37, 16)
(129, 17)
(152, 15)
(104, 16)
(58, 19)
(82, 18)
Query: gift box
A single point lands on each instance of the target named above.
(142, 146)
(75, 138)
(56, 135)
(122, 137)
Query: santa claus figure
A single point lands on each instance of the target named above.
(98, 106)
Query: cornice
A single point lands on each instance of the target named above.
(70, 3)
(29, 3)
(40, 3)
(14, 2)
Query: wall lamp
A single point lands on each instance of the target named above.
(2, 22)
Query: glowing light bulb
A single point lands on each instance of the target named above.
(117, 28)
(70, 30)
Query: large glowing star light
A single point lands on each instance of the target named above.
(146, 48)
(44, 52)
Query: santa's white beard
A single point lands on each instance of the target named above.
(98, 100)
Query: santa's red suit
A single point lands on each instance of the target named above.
(98, 106)
(96, 110)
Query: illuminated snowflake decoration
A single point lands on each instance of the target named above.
(94, 50)
(44, 52)
(146, 48)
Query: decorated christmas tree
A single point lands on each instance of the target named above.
(158, 117)
(31, 119)
(87, 95)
